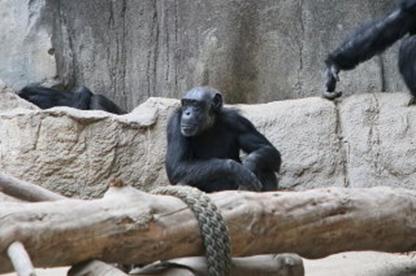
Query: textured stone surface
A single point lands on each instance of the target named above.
(379, 139)
(305, 132)
(76, 152)
(26, 52)
(365, 140)
(254, 51)
(9, 100)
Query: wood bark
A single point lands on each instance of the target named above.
(18, 190)
(26, 191)
(129, 226)
(262, 265)
(95, 268)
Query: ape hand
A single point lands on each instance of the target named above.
(247, 180)
(331, 74)
(249, 164)
(251, 182)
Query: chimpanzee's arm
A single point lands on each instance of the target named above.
(262, 155)
(82, 98)
(100, 102)
(369, 40)
(181, 167)
(46, 97)
(408, 5)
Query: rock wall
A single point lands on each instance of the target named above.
(363, 141)
(254, 51)
(26, 52)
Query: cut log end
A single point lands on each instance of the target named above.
(20, 259)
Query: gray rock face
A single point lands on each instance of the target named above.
(9, 100)
(76, 152)
(254, 51)
(366, 140)
(26, 52)
(379, 140)
(305, 132)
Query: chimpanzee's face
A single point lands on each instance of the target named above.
(196, 117)
(200, 106)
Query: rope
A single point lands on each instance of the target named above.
(211, 224)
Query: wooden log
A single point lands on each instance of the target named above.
(285, 264)
(20, 259)
(129, 226)
(262, 265)
(95, 268)
(4, 197)
(22, 190)
(25, 191)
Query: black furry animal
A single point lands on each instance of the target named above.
(82, 98)
(204, 143)
(374, 38)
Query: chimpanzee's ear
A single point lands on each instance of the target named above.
(217, 102)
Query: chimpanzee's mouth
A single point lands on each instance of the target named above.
(188, 129)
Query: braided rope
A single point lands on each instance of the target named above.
(211, 224)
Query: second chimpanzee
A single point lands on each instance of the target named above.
(82, 98)
(204, 143)
(374, 38)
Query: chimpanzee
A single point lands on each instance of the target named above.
(204, 142)
(374, 38)
(82, 98)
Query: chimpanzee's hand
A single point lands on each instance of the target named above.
(331, 75)
(249, 164)
(250, 182)
(247, 180)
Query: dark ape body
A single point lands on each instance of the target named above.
(82, 99)
(374, 38)
(204, 143)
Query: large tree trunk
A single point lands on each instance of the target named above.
(129, 226)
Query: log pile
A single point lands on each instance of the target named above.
(128, 226)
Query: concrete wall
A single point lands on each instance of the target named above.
(254, 51)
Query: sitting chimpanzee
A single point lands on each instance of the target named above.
(82, 98)
(374, 38)
(204, 142)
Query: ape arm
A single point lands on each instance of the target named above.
(82, 99)
(262, 155)
(182, 168)
(46, 97)
(368, 41)
(408, 5)
(100, 102)
(91, 101)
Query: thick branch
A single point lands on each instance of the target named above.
(129, 226)
(30, 192)
(279, 265)
(95, 268)
(26, 191)
(7, 198)
(20, 260)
